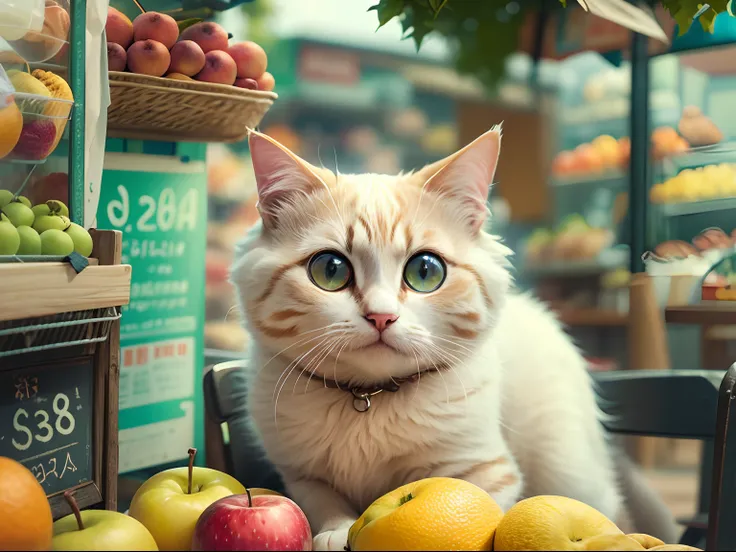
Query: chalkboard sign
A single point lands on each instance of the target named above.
(46, 414)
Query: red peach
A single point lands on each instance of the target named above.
(117, 57)
(156, 26)
(187, 58)
(148, 57)
(119, 28)
(250, 58)
(210, 36)
(250, 84)
(219, 68)
(266, 82)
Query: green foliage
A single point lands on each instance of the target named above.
(483, 33)
(186, 23)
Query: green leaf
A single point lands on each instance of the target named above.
(564, 3)
(420, 30)
(437, 5)
(387, 10)
(186, 23)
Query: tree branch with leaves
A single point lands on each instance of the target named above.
(483, 33)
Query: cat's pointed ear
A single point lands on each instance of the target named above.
(281, 176)
(465, 177)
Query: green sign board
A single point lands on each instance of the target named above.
(160, 205)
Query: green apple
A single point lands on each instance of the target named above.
(30, 241)
(40, 210)
(6, 196)
(170, 503)
(9, 238)
(19, 214)
(24, 200)
(51, 221)
(57, 206)
(56, 243)
(99, 530)
(51, 206)
(81, 238)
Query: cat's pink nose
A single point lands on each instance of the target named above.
(381, 320)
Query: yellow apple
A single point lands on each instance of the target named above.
(99, 530)
(170, 503)
(559, 523)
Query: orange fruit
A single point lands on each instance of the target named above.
(11, 124)
(589, 158)
(439, 513)
(608, 149)
(564, 163)
(25, 514)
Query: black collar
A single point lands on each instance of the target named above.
(362, 395)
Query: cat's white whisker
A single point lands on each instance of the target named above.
(321, 361)
(337, 357)
(305, 367)
(319, 358)
(229, 311)
(293, 365)
(452, 342)
(304, 341)
(295, 362)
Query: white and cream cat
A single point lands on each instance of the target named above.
(388, 346)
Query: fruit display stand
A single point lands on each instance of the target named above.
(59, 369)
(63, 286)
(169, 104)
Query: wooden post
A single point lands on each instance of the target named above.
(108, 248)
(647, 341)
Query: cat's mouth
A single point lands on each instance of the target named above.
(380, 345)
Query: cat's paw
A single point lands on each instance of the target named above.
(331, 540)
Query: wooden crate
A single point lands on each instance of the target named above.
(60, 370)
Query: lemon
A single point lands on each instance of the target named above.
(559, 523)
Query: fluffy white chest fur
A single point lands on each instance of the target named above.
(523, 397)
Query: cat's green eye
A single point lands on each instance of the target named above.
(330, 271)
(425, 272)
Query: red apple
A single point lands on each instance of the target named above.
(246, 522)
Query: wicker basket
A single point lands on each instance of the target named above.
(154, 108)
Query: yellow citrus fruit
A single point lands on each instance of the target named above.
(676, 547)
(558, 523)
(647, 541)
(11, 124)
(439, 513)
(25, 514)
